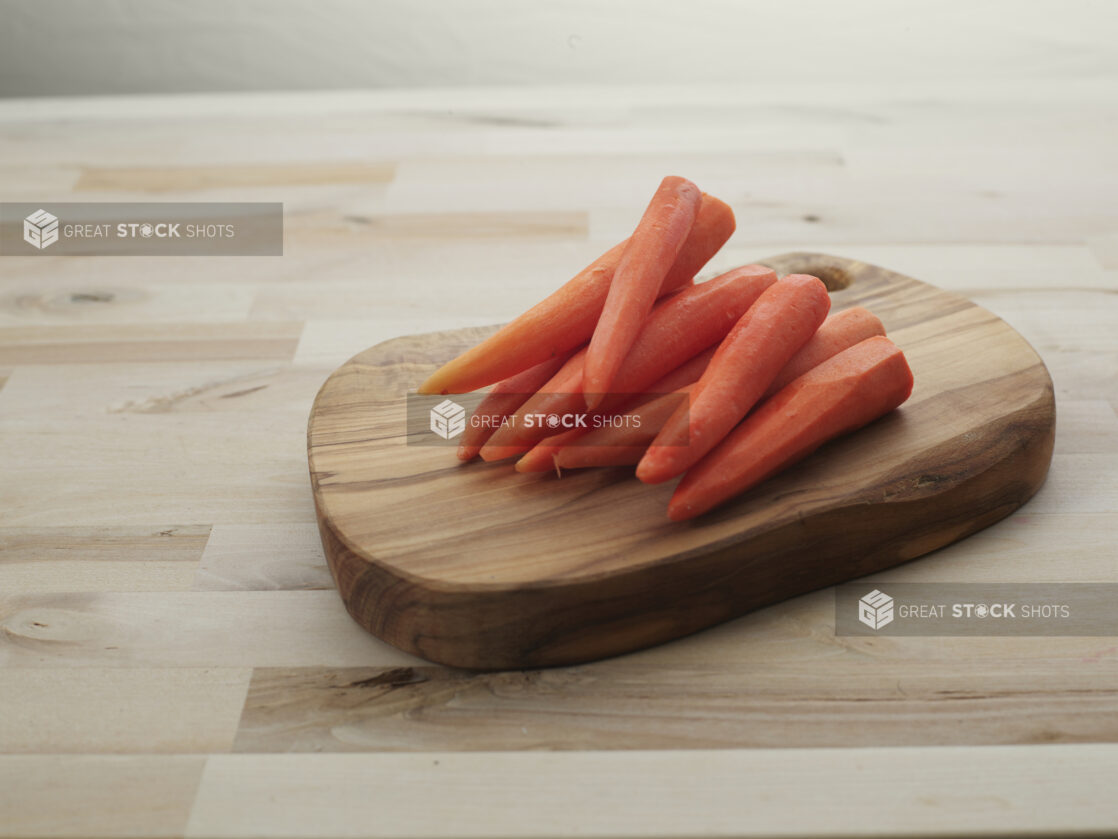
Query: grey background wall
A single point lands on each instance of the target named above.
(71, 47)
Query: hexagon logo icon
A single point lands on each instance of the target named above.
(40, 229)
(875, 609)
(448, 419)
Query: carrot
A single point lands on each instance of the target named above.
(752, 354)
(624, 442)
(541, 457)
(685, 374)
(506, 441)
(567, 317)
(714, 225)
(839, 331)
(678, 329)
(640, 274)
(501, 401)
(842, 394)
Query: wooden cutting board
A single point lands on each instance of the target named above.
(477, 566)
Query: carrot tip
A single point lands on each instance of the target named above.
(431, 385)
(649, 474)
(680, 512)
(489, 455)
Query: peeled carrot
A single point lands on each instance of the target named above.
(714, 225)
(501, 401)
(624, 442)
(507, 441)
(638, 280)
(677, 330)
(839, 331)
(685, 374)
(540, 458)
(840, 395)
(765, 338)
(567, 317)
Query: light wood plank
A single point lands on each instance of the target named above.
(263, 557)
(1105, 249)
(1079, 483)
(329, 343)
(103, 295)
(120, 710)
(1081, 373)
(562, 181)
(84, 575)
(132, 469)
(186, 629)
(67, 558)
(96, 344)
(778, 677)
(237, 176)
(891, 699)
(354, 229)
(170, 543)
(201, 388)
(1030, 546)
(762, 792)
(97, 795)
(1086, 427)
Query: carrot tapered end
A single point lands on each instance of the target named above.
(493, 453)
(529, 464)
(680, 512)
(654, 471)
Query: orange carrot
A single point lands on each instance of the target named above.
(507, 441)
(752, 354)
(840, 395)
(839, 331)
(623, 442)
(685, 374)
(626, 441)
(637, 282)
(501, 401)
(567, 317)
(678, 329)
(714, 225)
(540, 458)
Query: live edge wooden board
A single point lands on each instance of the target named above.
(477, 566)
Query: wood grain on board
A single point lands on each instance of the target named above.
(477, 566)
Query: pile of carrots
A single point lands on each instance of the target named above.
(724, 382)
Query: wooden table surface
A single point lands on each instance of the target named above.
(174, 657)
